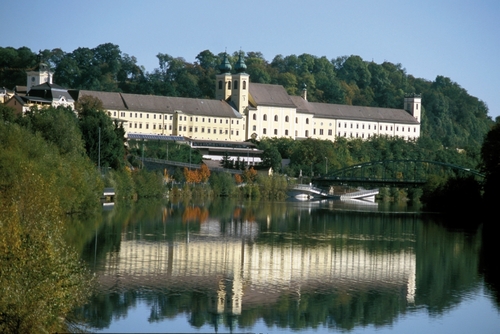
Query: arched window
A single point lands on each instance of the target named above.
(255, 116)
(286, 118)
(235, 86)
(307, 122)
(229, 85)
(307, 133)
(244, 85)
(265, 117)
(275, 118)
(220, 84)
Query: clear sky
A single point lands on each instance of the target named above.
(458, 39)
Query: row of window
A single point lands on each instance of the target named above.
(235, 85)
(380, 128)
(181, 118)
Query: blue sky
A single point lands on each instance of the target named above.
(457, 39)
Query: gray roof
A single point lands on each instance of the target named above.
(348, 112)
(110, 100)
(163, 104)
(270, 95)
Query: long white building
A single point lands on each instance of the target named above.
(241, 110)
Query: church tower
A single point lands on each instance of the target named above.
(42, 75)
(413, 105)
(223, 80)
(239, 94)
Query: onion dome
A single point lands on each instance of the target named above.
(225, 66)
(240, 65)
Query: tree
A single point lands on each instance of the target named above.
(103, 139)
(490, 155)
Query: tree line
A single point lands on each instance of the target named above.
(451, 116)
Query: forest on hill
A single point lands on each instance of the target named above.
(451, 116)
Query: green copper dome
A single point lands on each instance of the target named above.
(225, 66)
(240, 65)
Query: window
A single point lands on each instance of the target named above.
(114, 113)
(140, 115)
(254, 128)
(330, 132)
(147, 125)
(314, 131)
(191, 118)
(171, 117)
(357, 126)
(226, 132)
(130, 114)
(203, 119)
(320, 132)
(345, 125)
(351, 125)
(276, 132)
(169, 127)
(140, 125)
(307, 122)
(296, 120)
(254, 117)
(307, 133)
(286, 119)
(154, 126)
(154, 116)
(235, 84)
(244, 85)
(286, 132)
(180, 128)
(190, 129)
(227, 121)
(220, 131)
(237, 133)
(135, 115)
(275, 118)
(229, 85)
(264, 131)
(202, 130)
(220, 84)
(184, 129)
(208, 130)
(209, 120)
(147, 115)
(220, 121)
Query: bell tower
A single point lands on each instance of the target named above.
(223, 80)
(42, 75)
(241, 80)
(413, 105)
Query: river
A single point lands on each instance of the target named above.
(280, 267)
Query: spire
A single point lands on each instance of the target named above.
(240, 66)
(225, 66)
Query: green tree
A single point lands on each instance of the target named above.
(103, 139)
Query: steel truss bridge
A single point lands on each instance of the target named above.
(394, 173)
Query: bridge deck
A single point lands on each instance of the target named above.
(308, 191)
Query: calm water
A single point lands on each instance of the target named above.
(284, 267)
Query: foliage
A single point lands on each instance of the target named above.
(490, 155)
(197, 175)
(41, 279)
(104, 140)
(223, 184)
(148, 184)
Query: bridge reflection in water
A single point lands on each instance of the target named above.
(239, 271)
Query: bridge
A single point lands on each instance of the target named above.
(304, 191)
(396, 172)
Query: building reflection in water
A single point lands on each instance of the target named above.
(239, 271)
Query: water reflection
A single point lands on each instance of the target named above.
(292, 265)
